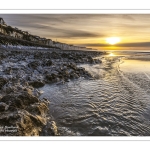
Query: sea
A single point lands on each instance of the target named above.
(115, 102)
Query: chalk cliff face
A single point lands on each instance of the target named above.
(24, 35)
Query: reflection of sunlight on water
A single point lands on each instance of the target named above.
(111, 54)
(92, 107)
(135, 66)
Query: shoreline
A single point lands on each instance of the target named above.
(22, 73)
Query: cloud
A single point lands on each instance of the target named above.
(128, 17)
(79, 34)
(96, 45)
(82, 28)
(63, 33)
(52, 25)
(137, 44)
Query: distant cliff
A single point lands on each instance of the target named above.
(15, 36)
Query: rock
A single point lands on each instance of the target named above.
(81, 70)
(72, 66)
(40, 108)
(65, 73)
(19, 100)
(74, 76)
(9, 89)
(33, 64)
(3, 55)
(36, 92)
(50, 129)
(55, 55)
(38, 55)
(29, 91)
(65, 67)
(36, 84)
(51, 77)
(2, 82)
(60, 75)
(24, 71)
(3, 106)
(47, 63)
(24, 113)
(99, 131)
(90, 59)
(65, 55)
(8, 70)
(97, 61)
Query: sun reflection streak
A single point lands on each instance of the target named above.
(111, 54)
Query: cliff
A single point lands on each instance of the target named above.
(14, 36)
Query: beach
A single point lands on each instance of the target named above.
(115, 102)
(23, 73)
(74, 93)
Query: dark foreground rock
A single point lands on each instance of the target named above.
(36, 84)
(2, 82)
(22, 113)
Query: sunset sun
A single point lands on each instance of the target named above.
(113, 40)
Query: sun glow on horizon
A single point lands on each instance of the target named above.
(113, 40)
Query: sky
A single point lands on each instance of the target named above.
(90, 30)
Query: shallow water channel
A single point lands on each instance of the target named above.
(116, 102)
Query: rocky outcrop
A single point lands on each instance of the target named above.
(22, 73)
(25, 112)
(3, 81)
(36, 84)
(34, 64)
